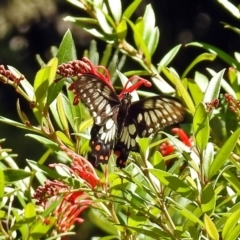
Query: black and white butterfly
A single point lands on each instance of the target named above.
(118, 122)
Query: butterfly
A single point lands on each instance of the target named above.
(118, 121)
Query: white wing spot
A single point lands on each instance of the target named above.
(108, 109)
(109, 123)
(147, 119)
(102, 105)
(139, 117)
(98, 120)
(98, 100)
(132, 129)
(95, 95)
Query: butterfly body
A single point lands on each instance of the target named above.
(118, 121)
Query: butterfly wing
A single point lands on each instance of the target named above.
(145, 117)
(99, 98)
(103, 104)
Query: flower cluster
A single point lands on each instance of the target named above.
(167, 148)
(9, 76)
(211, 105)
(234, 104)
(72, 201)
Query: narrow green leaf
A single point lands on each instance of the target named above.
(153, 40)
(234, 234)
(41, 84)
(230, 7)
(213, 88)
(232, 179)
(65, 139)
(173, 183)
(195, 91)
(198, 59)
(149, 22)
(230, 224)
(221, 54)
(62, 113)
(53, 64)
(210, 227)
(131, 9)
(158, 161)
(2, 185)
(12, 175)
(183, 92)
(46, 142)
(201, 128)
(224, 153)
(28, 88)
(168, 57)
(208, 199)
(103, 21)
(116, 9)
(208, 158)
(140, 41)
(201, 80)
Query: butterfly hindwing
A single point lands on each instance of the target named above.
(144, 118)
(154, 113)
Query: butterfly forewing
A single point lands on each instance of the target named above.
(103, 104)
(100, 99)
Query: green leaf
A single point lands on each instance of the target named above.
(221, 54)
(230, 7)
(224, 153)
(201, 128)
(153, 40)
(195, 91)
(230, 223)
(65, 139)
(173, 183)
(131, 9)
(139, 41)
(198, 59)
(202, 81)
(182, 92)
(208, 199)
(62, 113)
(168, 57)
(41, 228)
(30, 212)
(232, 179)
(41, 85)
(213, 88)
(2, 185)
(12, 175)
(53, 64)
(28, 88)
(234, 234)
(103, 21)
(116, 9)
(208, 159)
(66, 51)
(210, 227)
(46, 142)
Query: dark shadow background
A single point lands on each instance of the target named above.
(31, 27)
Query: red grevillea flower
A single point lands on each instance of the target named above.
(167, 148)
(72, 201)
